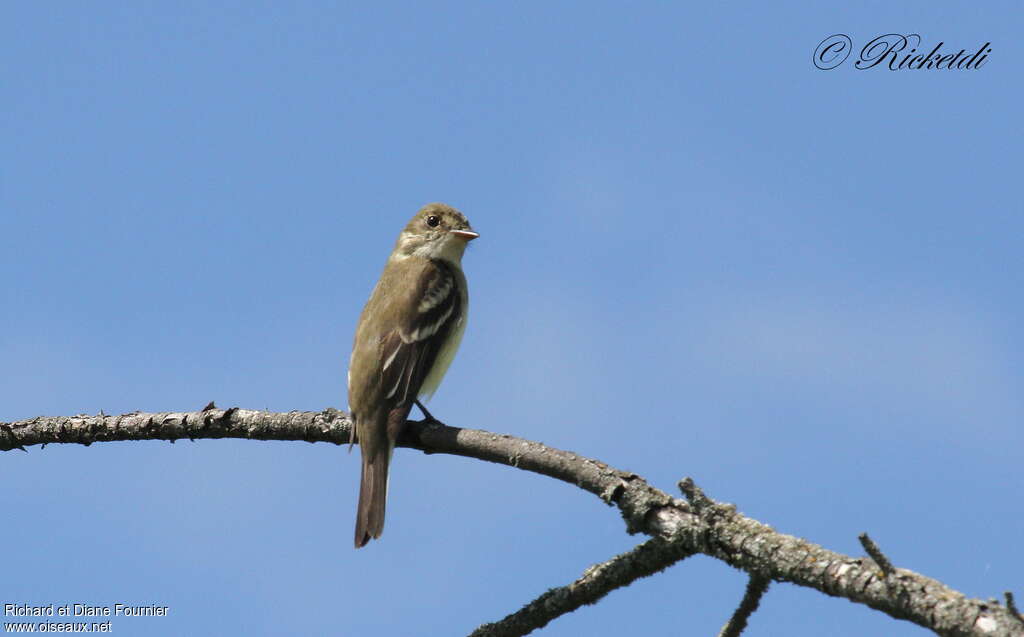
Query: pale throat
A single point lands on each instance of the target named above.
(448, 248)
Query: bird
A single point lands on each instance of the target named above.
(406, 338)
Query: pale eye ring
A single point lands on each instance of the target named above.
(433, 220)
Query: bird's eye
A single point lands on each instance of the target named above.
(433, 220)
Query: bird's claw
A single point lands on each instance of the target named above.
(428, 417)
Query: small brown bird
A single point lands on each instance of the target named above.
(407, 337)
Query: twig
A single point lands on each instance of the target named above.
(756, 588)
(1012, 606)
(876, 554)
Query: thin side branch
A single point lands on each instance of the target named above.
(876, 554)
(1011, 605)
(756, 588)
(652, 556)
(716, 529)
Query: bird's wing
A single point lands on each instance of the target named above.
(409, 350)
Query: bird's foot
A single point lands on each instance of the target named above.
(427, 416)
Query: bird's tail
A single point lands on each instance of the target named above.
(373, 495)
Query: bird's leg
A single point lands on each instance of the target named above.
(426, 414)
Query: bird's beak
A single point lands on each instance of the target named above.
(465, 235)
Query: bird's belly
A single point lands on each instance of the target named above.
(443, 360)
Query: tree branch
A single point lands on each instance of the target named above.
(700, 525)
(648, 558)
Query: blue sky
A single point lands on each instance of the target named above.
(700, 255)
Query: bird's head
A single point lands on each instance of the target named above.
(437, 231)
